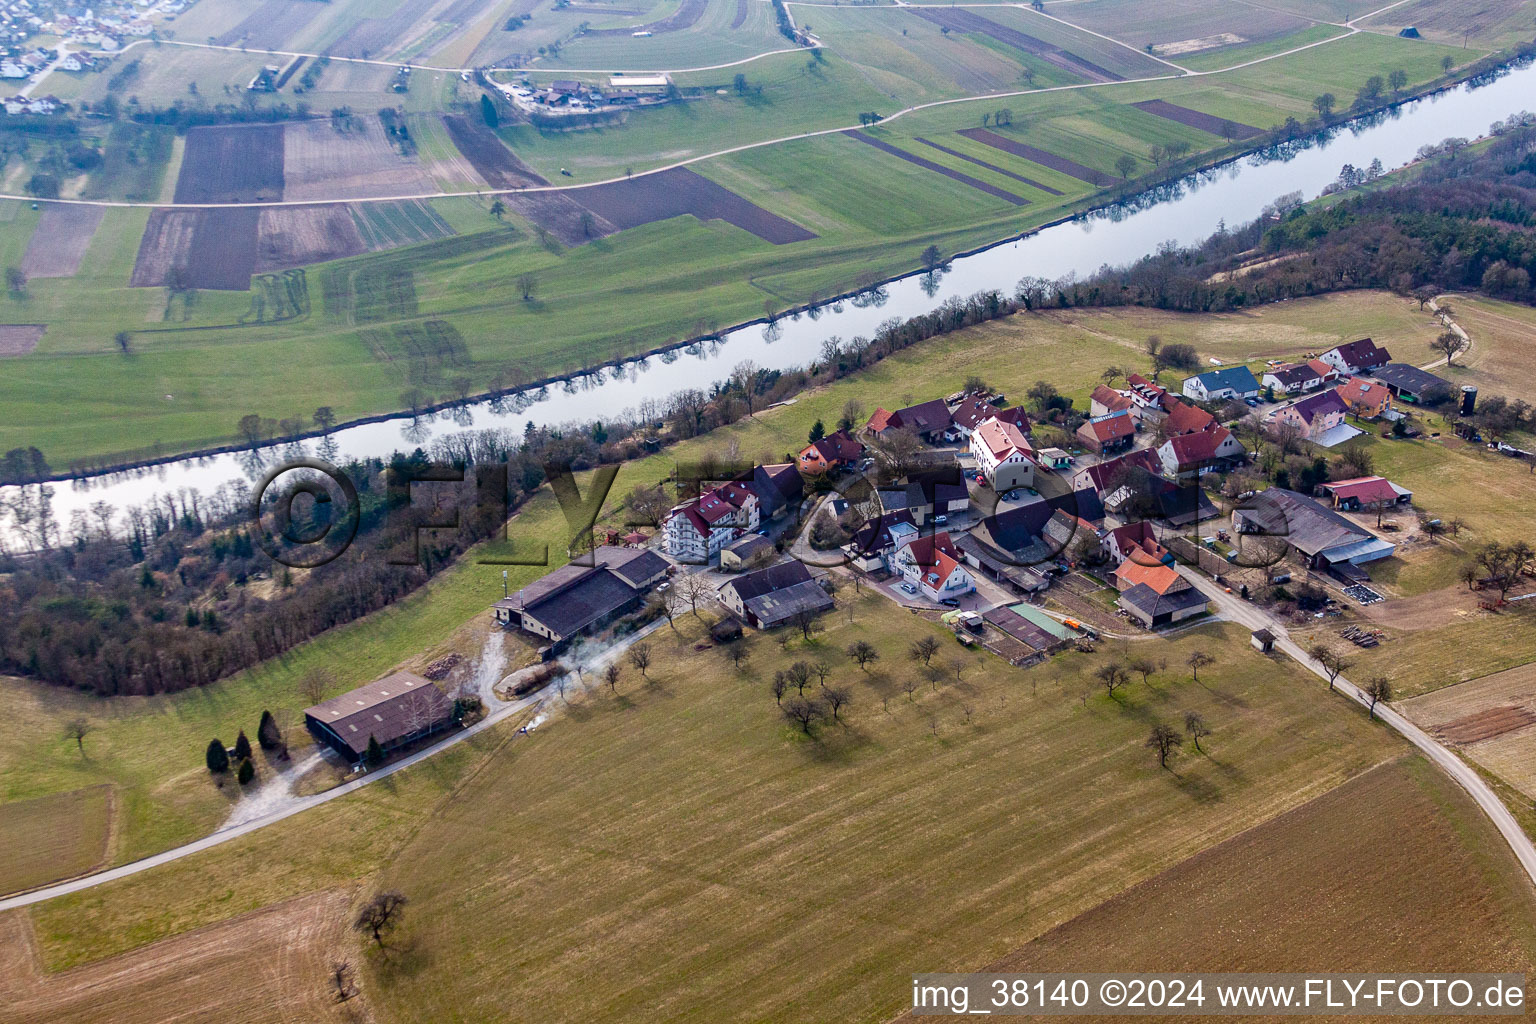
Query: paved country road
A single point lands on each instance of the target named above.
(1238, 610)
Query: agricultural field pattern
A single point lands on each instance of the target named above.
(763, 510)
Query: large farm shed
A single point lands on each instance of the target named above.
(396, 710)
(575, 598)
(1319, 536)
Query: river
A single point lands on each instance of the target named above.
(1185, 213)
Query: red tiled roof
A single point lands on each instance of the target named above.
(882, 419)
(1363, 392)
(1366, 489)
(837, 447)
(1161, 578)
(1324, 371)
(1101, 473)
(1190, 449)
(1111, 428)
(1002, 439)
(1184, 418)
(927, 551)
(1109, 398)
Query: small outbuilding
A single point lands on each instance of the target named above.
(1263, 641)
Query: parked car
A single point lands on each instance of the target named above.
(940, 520)
(909, 588)
(1252, 403)
(950, 602)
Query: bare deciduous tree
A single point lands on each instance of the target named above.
(837, 698)
(924, 649)
(1163, 740)
(380, 914)
(1333, 664)
(1195, 726)
(611, 674)
(640, 657)
(341, 978)
(863, 652)
(804, 713)
(1378, 688)
(1143, 667)
(77, 730)
(1112, 676)
(799, 675)
(1198, 660)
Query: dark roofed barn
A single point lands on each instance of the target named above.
(396, 710)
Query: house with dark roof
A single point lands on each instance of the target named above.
(1357, 357)
(747, 551)
(928, 421)
(1317, 535)
(830, 454)
(777, 487)
(1156, 594)
(1315, 415)
(1137, 540)
(1296, 378)
(578, 598)
(774, 596)
(1105, 477)
(395, 711)
(940, 492)
(1216, 385)
(1411, 384)
(878, 539)
(972, 412)
(1108, 434)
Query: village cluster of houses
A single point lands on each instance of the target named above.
(85, 33)
(926, 533)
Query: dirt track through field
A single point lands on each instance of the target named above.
(59, 242)
(1485, 725)
(741, 14)
(912, 158)
(961, 20)
(1195, 119)
(270, 965)
(1071, 168)
(684, 17)
(1031, 182)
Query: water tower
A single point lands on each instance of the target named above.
(1468, 399)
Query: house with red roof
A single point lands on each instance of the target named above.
(1193, 455)
(928, 420)
(1003, 454)
(1108, 434)
(1184, 418)
(1106, 400)
(1357, 357)
(1137, 540)
(1366, 399)
(1156, 594)
(830, 454)
(1363, 493)
(696, 530)
(934, 566)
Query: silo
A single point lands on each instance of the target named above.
(1468, 399)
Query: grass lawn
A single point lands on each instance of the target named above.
(54, 837)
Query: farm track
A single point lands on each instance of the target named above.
(1182, 73)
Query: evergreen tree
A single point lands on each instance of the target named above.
(218, 759)
(242, 747)
(245, 773)
(268, 734)
(375, 755)
(818, 431)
